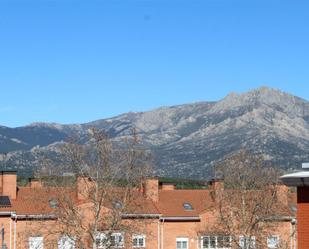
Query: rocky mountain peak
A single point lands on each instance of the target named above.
(46, 125)
(187, 140)
(263, 97)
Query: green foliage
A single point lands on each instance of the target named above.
(181, 183)
(22, 181)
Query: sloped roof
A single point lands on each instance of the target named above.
(136, 204)
(35, 201)
(171, 202)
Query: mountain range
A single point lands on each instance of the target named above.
(186, 140)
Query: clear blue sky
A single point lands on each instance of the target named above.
(73, 61)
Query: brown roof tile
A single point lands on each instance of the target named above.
(171, 202)
(36, 201)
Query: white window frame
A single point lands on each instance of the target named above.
(101, 236)
(182, 239)
(138, 237)
(117, 235)
(216, 241)
(66, 242)
(36, 242)
(252, 241)
(277, 242)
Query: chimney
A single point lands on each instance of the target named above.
(84, 186)
(217, 187)
(282, 194)
(35, 183)
(9, 186)
(151, 189)
(168, 186)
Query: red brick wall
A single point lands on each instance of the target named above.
(172, 230)
(303, 217)
(9, 184)
(152, 189)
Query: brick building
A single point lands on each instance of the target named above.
(301, 181)
(175, 218)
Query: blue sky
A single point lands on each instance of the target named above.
(73, 61)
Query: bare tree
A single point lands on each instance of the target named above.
(249, 205)
(94, 186)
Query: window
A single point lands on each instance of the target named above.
(53, 203)
(36, 242)
(139, 240)
(216, 242)
(115, 240)
(101, 240)
(66, 242)
(247, 242)
(273, 241)
(182, 243)
(187, 206)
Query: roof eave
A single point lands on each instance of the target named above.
(299, 179)
(128, 216)
(180, 218)
(281, 218)
(34, 216)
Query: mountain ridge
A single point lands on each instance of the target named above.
(188, 139)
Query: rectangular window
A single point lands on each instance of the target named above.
(101, 240)
(182, 243)
(139, 240)
(273, 241)
(36, 242)
(246, 242)
(216, 242)
(116, 240)
(66, 242)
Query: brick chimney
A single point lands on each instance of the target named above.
(282, 194)
(8, 183)
(84, 187)
(168, 186)
(216, 187)
(35, 183)
(151, 189)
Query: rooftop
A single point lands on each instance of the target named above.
(298, 178)
(171, 204)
